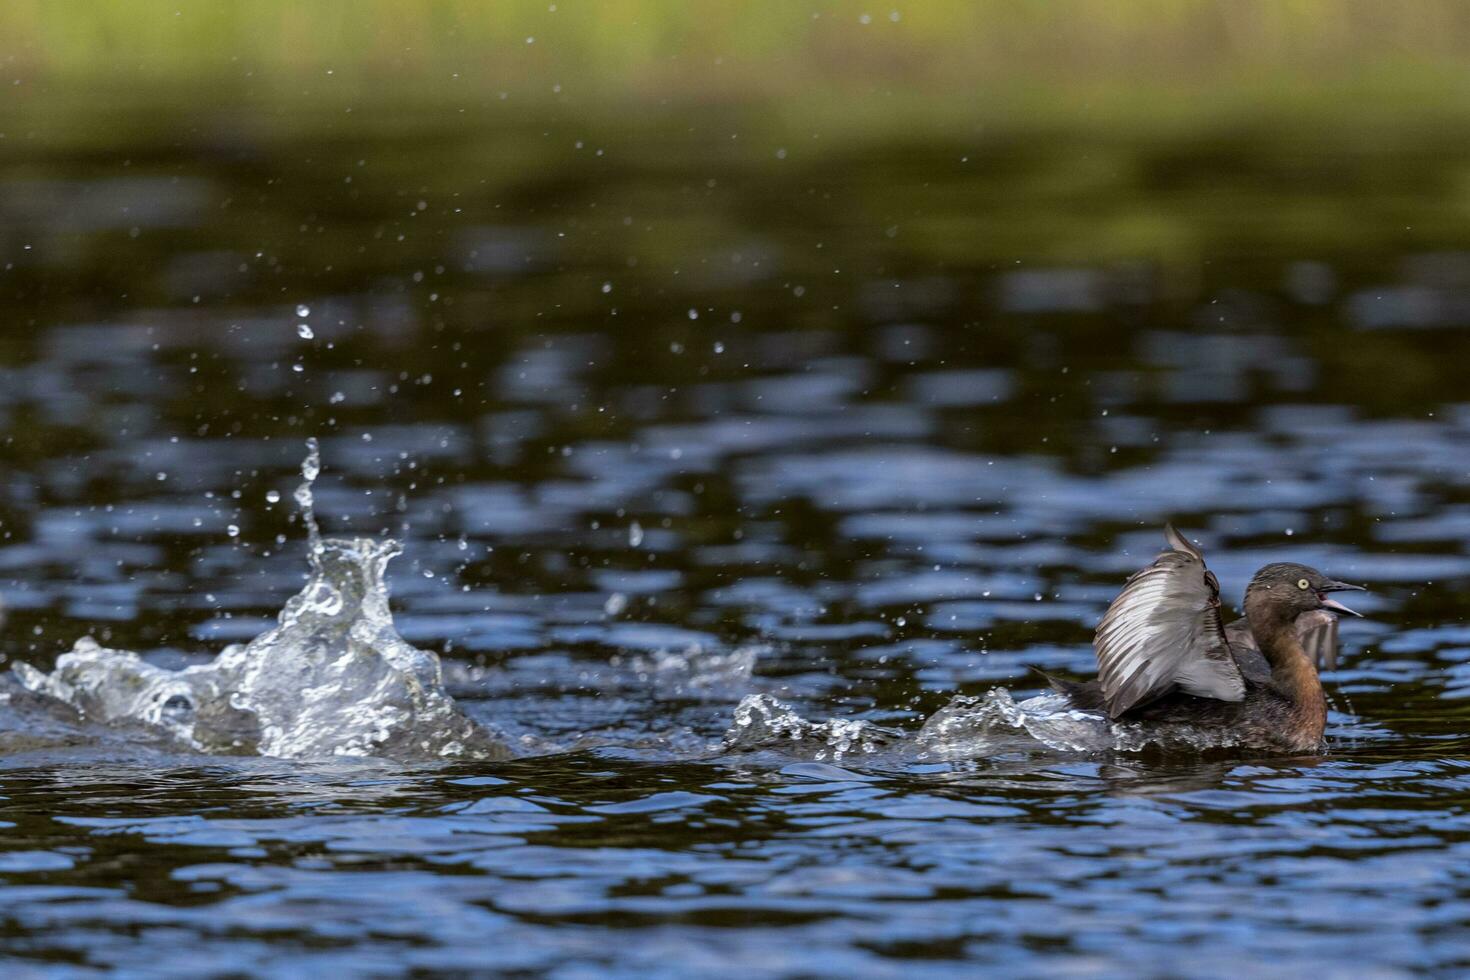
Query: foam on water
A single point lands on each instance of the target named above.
(332, 678)
(970, 727)
(762, 721)
(967, 728)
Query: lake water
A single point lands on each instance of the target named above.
(695, 460)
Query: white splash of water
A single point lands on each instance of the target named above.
(311, 468)
(762, 722)
(975, 727)
(988, 726)
(332, 678)
(970, 727)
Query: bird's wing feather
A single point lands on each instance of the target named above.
(1164, 631)
(1317, 631)
(1179, 542)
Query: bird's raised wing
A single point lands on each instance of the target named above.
(1317, 631)
(1164, 632)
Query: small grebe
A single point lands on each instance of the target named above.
(1165, 655)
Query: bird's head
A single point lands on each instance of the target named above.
(1282, 591)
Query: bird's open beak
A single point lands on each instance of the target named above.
(1333, 604)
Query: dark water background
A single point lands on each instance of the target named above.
(888, 421)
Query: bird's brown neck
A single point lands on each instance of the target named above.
(1294, 677)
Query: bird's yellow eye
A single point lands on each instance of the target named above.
(1302, 583)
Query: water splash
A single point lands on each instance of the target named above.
(332, 678)
(985, 727)
(971, 727)
(763, 722)
(311, 468)
(976, 727)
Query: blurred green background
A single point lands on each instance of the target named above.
(899, 64)
(845, 61)
(1101, 115)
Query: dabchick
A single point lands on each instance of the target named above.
(1166, 656)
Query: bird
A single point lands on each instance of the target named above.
(1166, 656)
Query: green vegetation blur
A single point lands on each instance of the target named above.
(854, 63)
(932, 136)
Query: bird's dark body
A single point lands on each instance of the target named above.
(1266, 720)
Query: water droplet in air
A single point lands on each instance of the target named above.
(303, 330)
(311, 468)
(303, 310)
(233, 530)
(272, 496)
(635, 535)
(615, 604)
